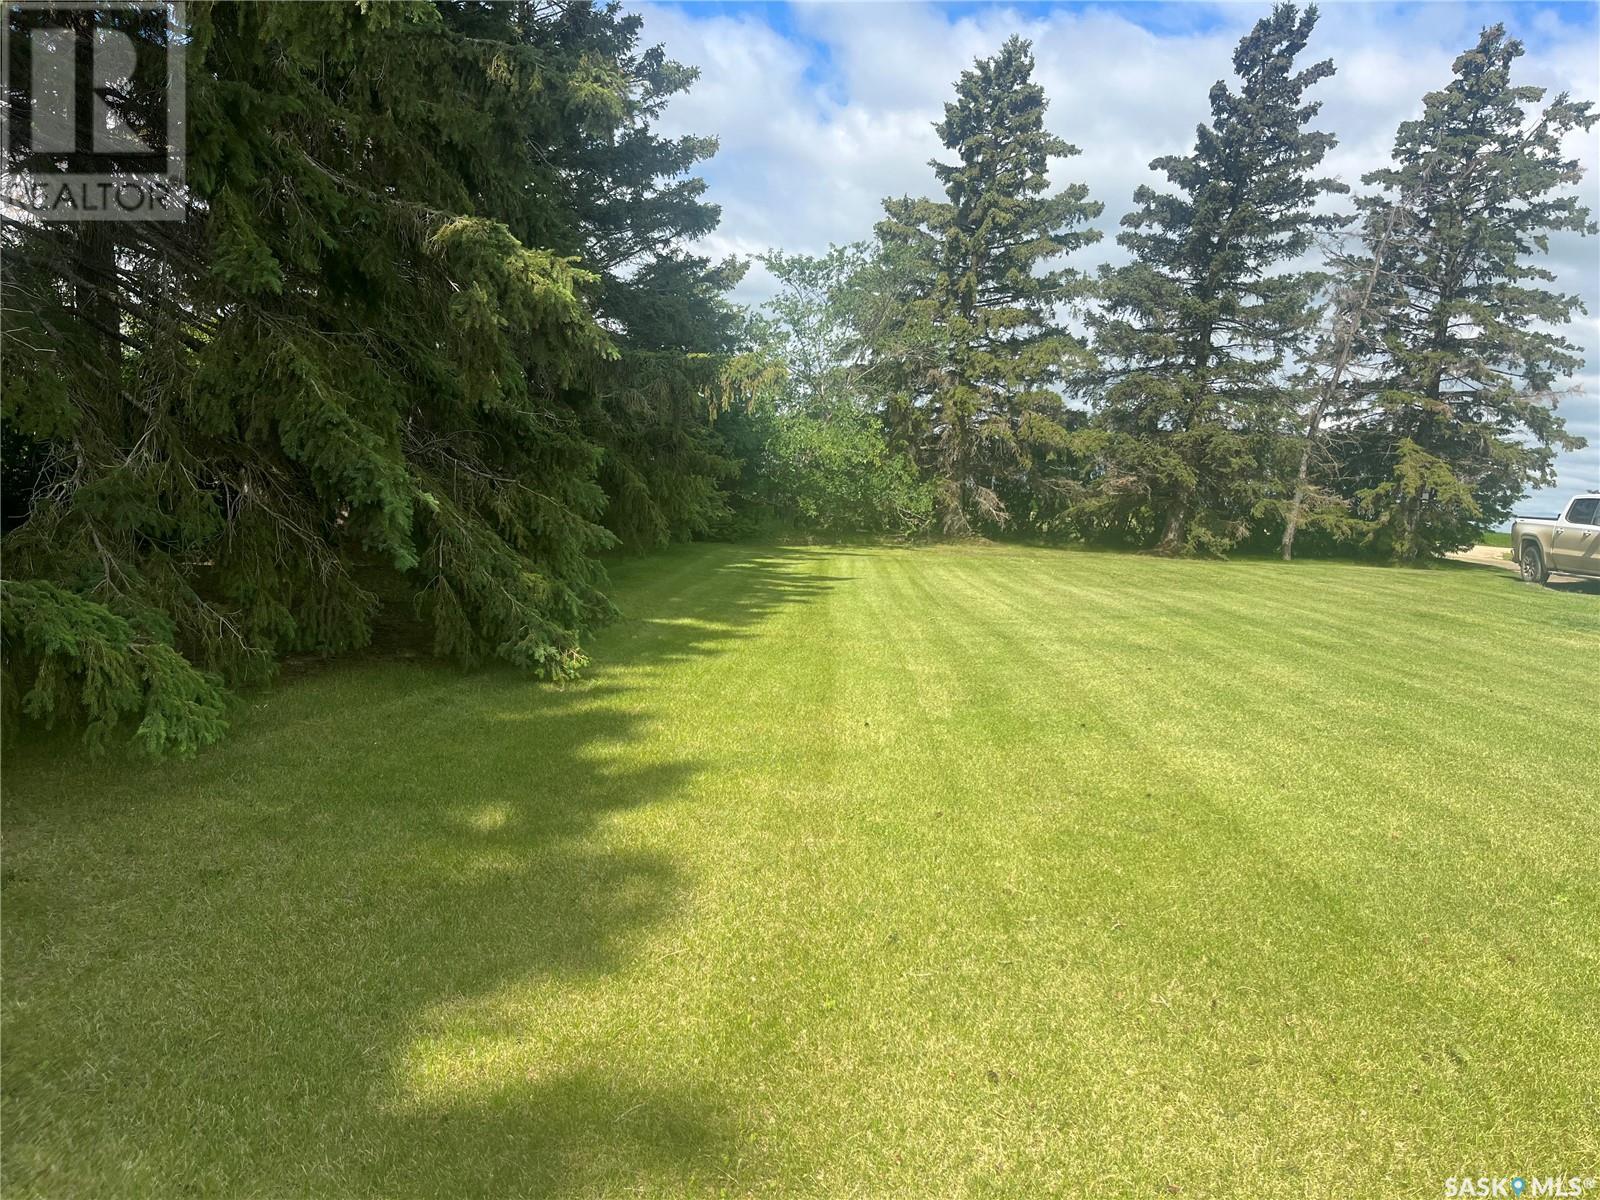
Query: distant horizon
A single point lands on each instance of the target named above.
(843, 97)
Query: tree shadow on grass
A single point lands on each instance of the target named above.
(582, 1131)
(276, 970)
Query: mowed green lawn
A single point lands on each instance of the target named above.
(848, 872)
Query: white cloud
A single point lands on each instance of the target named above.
(820, 120)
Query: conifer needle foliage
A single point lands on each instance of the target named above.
(975, 361)
(427, 340)
(1195, 331)
(1455, 414)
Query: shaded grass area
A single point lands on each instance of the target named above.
(959, 870)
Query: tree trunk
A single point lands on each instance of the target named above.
(95, 296)
(1172, 537)
(1411, 516)
(1300, 479)
(1352, 320)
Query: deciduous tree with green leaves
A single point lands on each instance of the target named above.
(816, 452)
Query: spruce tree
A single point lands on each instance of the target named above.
(1194, 333)
(976, 357)
(1455, 416)
(634, 204)
(388, 362)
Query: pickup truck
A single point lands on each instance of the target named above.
(1569, 544)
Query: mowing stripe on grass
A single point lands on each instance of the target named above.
(846, 871)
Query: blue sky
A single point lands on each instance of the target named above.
(824, 109)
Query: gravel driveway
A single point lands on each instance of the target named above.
(1494, 556)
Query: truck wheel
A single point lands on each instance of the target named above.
(1531, 560)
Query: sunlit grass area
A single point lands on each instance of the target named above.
(847, 872)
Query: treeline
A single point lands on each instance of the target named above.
(432, 339)
(1276, 366)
